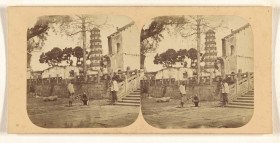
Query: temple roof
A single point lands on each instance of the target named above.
(237, 30)
(122, 29)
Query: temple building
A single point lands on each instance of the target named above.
(210, 51)
(238, 51)
(124, 48)
(95, 53)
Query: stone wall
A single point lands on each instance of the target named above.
(205, 92)
(93, 90)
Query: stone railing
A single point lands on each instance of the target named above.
(243, 83)
(130, 84)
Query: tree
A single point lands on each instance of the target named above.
(69, 25)
(167, 58)
(186, 26)
(181, 55)
(157, 59)
(105, 61)
(192, 54)
(52, 58)
(80, 24)
(78, 53)
(152, 35)
(66, 55)
(197, 25)
(37, 34)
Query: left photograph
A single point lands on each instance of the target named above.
(83, 71)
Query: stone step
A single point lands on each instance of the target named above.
(131, 98)
(244, 101)
(127, 104)
(239, 106)
(247, 95)
(135, 95)
(129, 101)
(245, 98)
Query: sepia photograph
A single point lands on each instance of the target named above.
(199, 72)
(139, 70)
(83, 71)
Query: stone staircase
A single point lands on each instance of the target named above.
(133, 99)
(243, 101)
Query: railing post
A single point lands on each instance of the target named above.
(98, 77)
(237, 81)
(49, 79)
(125, 83)
(211, 78)
(248, 81)
(56, 78)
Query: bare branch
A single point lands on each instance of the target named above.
(72, 34)
(188, 35)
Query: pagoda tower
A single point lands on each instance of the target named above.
(210, 51)
(95, 49)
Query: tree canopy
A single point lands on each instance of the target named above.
(55, 56)
(63, 24)
(171, 57)
(185, 26)
(152, 35)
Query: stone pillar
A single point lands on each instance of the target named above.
(49, 79)
(56, 78)
(211, 78)
(248, 80)
(125, 83)
(239, 74)
(98, 76)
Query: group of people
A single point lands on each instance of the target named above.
(114, 88)
(83, 97)
(183, 94)
(224, 90)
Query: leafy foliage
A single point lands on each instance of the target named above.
(78, 53)
(105, 61)
(152, 35)
(66, 55)
(171, 57)
(52, 58)
(64, 24)
(185, 26)
(56, 56)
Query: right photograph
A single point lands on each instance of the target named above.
(199, 72)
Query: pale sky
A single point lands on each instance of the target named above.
(62, 41)
(177, 42)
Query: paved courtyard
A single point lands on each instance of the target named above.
(98, 114)
(208, 115)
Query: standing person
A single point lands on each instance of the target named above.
(71, 92)
(114, 90)
(225, 92)
(182, 90)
